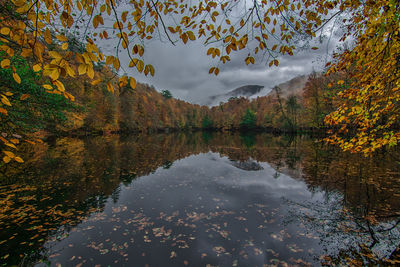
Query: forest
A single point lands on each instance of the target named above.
(44, 70)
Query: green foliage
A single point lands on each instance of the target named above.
(207, 136)
(207, 123)
(292, 109)
(166, 94)
(33, 108)
(248, 139)
(268, 119)
(249, 120)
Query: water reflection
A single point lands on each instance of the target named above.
(198, 199)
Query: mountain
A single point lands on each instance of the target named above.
(245, 91)
(292, 87)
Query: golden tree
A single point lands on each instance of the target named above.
(368, 114)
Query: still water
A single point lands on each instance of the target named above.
(202, 199)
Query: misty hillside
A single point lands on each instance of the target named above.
(244, 91)
(292, 87)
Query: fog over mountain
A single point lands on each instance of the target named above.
(243, 91)
(183, 69)
(292, 86)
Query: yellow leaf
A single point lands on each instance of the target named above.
(123, 81)
(60, 85)
(5, 63)
(23, 97)
(10, 145)
(69, 96)
(140, 66)
(116, 64)
(95, 82)
(9, 154)
(184, 38)
(82, 69)
(132, 83)
(123, 16)
(47, 86)
(47, 36)
(36, 68)
(55, 55)
(30, 142)
(340, 82)
(191, 36)
(55, 74)
(70, 71)
(62, 38)
(151, 70)
(90, 72)
(16, 77)
(18, 159)
(133, 62)
(14, 141)
(3, 111)
(109, 60)
(5, 101)
(5, 31)
(64, 46)
(110, 87)
(6, 159)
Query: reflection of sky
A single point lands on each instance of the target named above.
(225, 212)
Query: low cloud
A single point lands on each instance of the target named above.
(183, 69)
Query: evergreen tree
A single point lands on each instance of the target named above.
(249, 120)
(207, 123)
(166, 93)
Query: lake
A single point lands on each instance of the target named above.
(200, 199)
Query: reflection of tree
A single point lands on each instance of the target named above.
(347, 238)
(167, 164)
(64, 182)
(248, 139)
(206, 136)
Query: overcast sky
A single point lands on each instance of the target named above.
(183, 69)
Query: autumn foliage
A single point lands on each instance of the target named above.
(59, 43)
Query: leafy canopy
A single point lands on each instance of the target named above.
(39, 30)
(368, 115)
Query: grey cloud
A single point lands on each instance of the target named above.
(183, 69)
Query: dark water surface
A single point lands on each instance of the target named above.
(198, 199)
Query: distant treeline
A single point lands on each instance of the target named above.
(144, 109)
